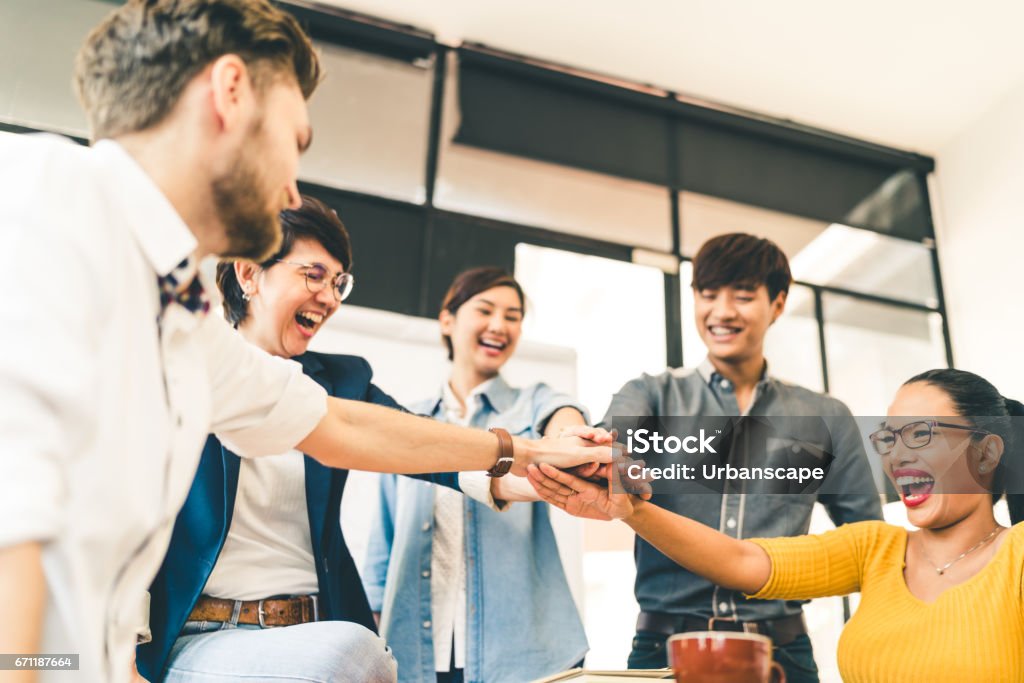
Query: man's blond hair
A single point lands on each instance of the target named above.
(134, 66)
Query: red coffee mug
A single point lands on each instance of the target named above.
(723, 657)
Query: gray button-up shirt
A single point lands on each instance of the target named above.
(664, 586)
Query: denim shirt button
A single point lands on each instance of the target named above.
(425, 574)
(731, 523)
(426, 526)
(723, 607)
(426, 624)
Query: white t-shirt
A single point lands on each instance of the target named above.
(268, 550)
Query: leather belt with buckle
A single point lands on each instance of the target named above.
(782, 631)
(265, 613)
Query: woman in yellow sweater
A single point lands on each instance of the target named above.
(943, 603)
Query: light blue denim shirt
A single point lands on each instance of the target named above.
(516, 590)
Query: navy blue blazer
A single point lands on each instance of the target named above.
(203, 523)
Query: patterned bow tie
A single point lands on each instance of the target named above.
(191, 295)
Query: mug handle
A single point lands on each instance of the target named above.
(778, 674)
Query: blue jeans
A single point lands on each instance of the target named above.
(796, 658)
(319, 652)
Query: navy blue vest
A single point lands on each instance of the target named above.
(203, 523)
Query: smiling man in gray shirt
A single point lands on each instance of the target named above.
(740, 286)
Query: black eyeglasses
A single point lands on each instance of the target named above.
(317, 277)
(913, 435)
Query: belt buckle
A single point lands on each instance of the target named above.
(261, 615)
(745, 626)
(316, 607)
(712, 620)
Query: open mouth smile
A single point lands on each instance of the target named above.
(723, 331)
(309, 321)
(492, 346)
(914, 486)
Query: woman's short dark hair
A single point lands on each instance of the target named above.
(739, 259)
(977, 400)
(315, 221)
(469, 283)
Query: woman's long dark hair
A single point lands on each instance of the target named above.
(976, 399)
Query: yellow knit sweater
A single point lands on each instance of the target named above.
(972, 632)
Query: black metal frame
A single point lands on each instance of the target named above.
(360, 31)
(433, 152)
(409, 44)
(819, 316)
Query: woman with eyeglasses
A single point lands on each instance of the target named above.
(942, 603)
(258, 582)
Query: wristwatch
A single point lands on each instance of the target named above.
(505, 457)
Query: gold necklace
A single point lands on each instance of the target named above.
(942, 570)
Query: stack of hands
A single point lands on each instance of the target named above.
(592, 490)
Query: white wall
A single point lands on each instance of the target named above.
(979, 202)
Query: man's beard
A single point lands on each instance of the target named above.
(252, 231)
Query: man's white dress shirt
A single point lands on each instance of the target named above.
(103, 411)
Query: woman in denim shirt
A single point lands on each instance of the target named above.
(467, 592)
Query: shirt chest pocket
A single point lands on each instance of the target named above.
(514, 424)
(791, 452)
(791, 466)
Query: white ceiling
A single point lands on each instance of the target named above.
(907, 73)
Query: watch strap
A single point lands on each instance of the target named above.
(505, 454)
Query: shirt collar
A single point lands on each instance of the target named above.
(710, 375)
(162, 235)
(498, 393)
(495, 391)
(311, 362)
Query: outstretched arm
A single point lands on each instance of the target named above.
(725, 561)
(360, 436)
(565, 422)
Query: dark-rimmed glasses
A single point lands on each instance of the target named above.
(317, 277)
(913, 434)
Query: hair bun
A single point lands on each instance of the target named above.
(1013, 407)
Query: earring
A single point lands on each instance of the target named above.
(984, 469)
(246, 296)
